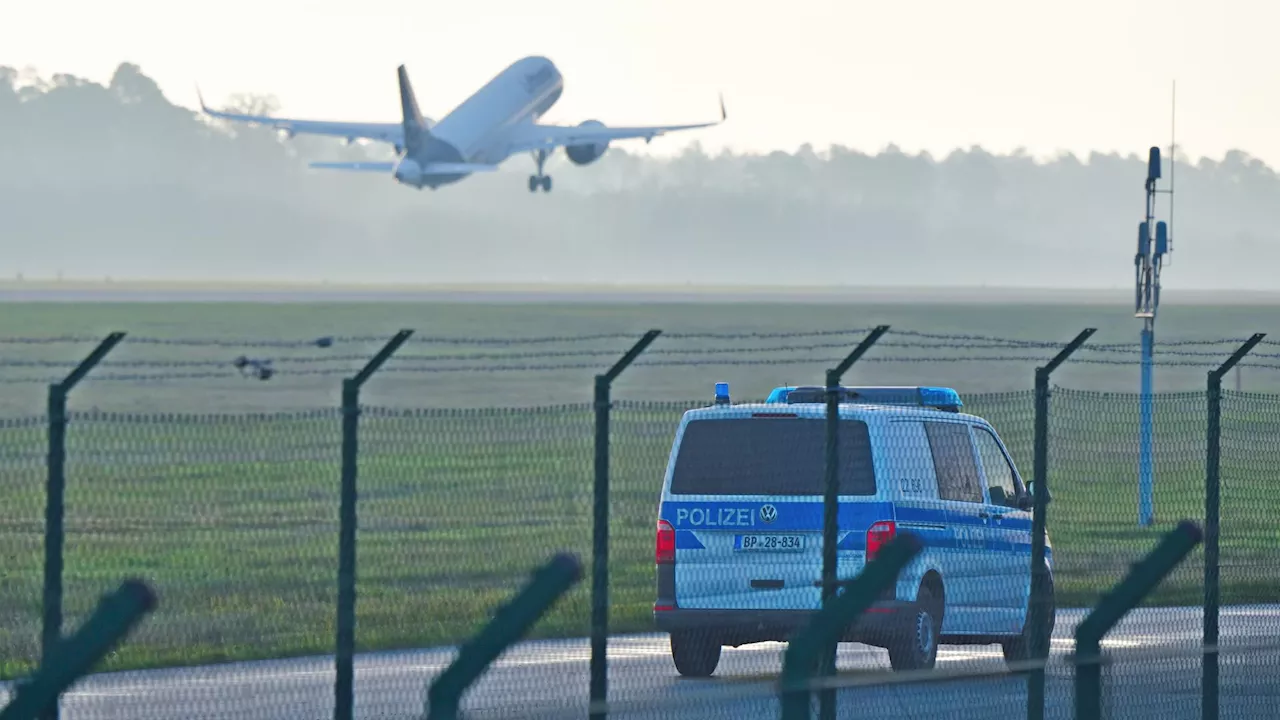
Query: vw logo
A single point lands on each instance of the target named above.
(768, 513)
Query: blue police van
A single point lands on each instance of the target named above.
(739, 530)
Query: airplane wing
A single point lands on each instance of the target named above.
(381, 167)
(435, 168)
(384, 132)
(548, 137)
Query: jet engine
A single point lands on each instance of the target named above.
(587, 153)
(409, 172)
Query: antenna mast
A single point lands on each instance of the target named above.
(1154, 242)
(1173, 153)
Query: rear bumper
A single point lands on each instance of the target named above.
(885, 620)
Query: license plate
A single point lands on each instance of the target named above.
(769, 543)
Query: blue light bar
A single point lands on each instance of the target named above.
(722, 393)
(940, 397)
(924, 396)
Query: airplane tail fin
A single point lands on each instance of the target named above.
(415, 128)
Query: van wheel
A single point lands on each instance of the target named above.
(1018, 649)
(916, 648)
(696, 654)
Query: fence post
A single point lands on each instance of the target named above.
(600, 530)
(1039, 645)
(116, 615)
(807, 649)
(830, 505)
(55, 498)
(344, 652)
(509, 624)
(1212, 509)
(1141, 580)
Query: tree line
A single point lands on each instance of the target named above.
(115, 180)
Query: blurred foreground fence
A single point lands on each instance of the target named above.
(234, 520)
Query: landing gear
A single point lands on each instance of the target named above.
(540, 180)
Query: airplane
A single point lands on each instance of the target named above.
(499, 120)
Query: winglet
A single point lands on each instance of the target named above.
(723, 115)
(200, 97)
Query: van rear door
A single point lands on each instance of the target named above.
(745, 502)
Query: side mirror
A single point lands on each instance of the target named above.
(1028, 499)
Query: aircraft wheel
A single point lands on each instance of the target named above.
(533, 183)
(546, 183)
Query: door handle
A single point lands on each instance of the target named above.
(984, 514)
(998, 516)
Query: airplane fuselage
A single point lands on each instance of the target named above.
(477, 129)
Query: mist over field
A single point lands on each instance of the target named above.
(116, 181)
(209, 451)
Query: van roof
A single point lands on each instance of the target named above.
(853, 411)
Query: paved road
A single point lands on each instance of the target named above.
(1155, 676)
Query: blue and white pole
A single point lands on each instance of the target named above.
(1147, 263)
(1146, 459)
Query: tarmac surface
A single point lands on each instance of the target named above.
(1153, 673)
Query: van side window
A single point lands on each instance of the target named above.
(953, 461)
(909, 461)
(1000, 478)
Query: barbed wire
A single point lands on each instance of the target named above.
(127, 377)
(939, 348)
(232, 372)
(1059, 344)
(543, 354)
(532, 355)
(332, 340)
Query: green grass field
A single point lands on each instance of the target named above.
(224, 493)
(234, 518)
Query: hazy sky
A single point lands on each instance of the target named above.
(1088, 75)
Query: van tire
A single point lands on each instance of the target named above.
(916, 647)
(1018, 649)
(696, 654)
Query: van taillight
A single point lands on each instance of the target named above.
(879, 534)
(665, 550)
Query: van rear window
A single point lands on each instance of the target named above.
(770, 456)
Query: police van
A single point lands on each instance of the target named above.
(739, 530)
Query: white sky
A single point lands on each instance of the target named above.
(1079, 76)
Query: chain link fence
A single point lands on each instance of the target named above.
(234, 520)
